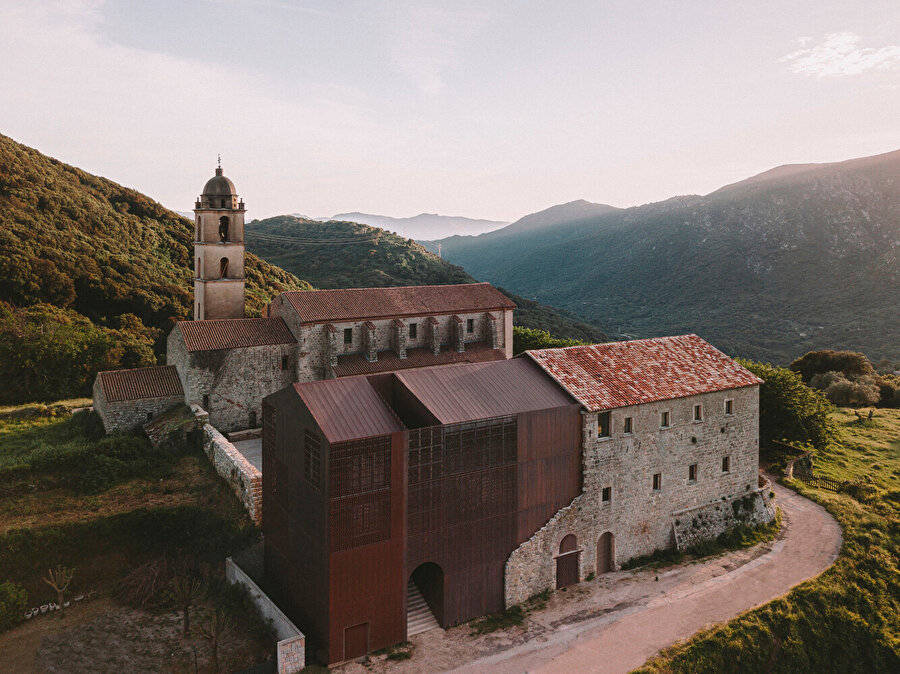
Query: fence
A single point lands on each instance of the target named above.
(821, 482)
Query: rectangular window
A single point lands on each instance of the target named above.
(627, 427)
(698, 412)
(348, 335)
(664, 420)
(729, 406)
(603, 425)
(413, 330)
(470, 325)
(726, 464)
(312, 459)
(206, 403)
(606, 495)
(692, 472)
(284, 362)
(657, 481)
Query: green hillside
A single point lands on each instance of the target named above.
(92, 275)
(349, 255)
(797, 259)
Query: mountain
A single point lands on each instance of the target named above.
(92, 276)
(351, 255)
(422, 226)
(798, 258)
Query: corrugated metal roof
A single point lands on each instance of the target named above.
(348, 409)
(160, 381)
(618, 374)
(234, 333)
(458, 393)
(356, 363)
(349, 304)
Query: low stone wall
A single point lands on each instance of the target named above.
(242, 476)
(291, 648)
(711, 519)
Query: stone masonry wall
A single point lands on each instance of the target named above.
(130, 414)
(709, 520)
(639, 517)
(242, 476)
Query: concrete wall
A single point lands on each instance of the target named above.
(639, 517)
(291, 647)
(242, 476)
(130, 414)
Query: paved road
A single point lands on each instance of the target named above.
(623, 640)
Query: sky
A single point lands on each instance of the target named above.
(482, 109)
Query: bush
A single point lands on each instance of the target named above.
(13, 604)
(851, 364)
(525, 339)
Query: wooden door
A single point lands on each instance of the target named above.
(356, 641)
(605, 553)
(567, 562)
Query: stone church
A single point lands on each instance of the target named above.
(227, 363)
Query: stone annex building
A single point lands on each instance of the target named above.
(414, 474)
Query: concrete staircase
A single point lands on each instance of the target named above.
(419, 617)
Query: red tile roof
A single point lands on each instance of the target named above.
(160, 381)
(618, 374)
(348, 409)
(388, 361)
(320, 306)
(234, 333)
(458, 393)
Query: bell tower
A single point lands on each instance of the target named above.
(218, 250)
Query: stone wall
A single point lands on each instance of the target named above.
(291, 648)
(129, 415)
(709, 520)
(242, 476)
(639, 517)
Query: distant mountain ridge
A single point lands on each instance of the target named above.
(422, 226)
(796, 258)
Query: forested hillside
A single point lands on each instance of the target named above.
(796, 259)
(351, 255)
(92, 276)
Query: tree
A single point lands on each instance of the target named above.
(525, 339)
(850, 363)
(789, 410)
(186, 590)
(59, 580)
(219, 625)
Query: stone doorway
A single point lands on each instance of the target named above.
(606, 553)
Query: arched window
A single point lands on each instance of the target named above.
(199, 268)
(223, 267)
(223, 228)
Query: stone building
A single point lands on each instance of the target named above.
(466, 488)
(127, 399)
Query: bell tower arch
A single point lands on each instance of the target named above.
(218, 250)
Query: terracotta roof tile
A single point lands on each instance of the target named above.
(160, 381)
(319, 306)
(388, 361)
(234, 333)
(618, 374)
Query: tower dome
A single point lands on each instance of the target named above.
(219, 186)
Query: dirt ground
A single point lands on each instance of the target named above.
(103, 636)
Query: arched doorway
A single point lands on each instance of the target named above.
(425, 599)
(567, 562)
(223, 228)
(606, 553)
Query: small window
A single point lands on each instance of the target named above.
(149, 416)
(603, 425)
(726, 464)
(470, 325)
(606, 495)
(657, 481)
(223, 267)
(252, 419)
(284, 362)
(698, 412)
(206, 403)
(664, 419)
(692, 472)
(413, 330)
(348, 335)
(627, 427)
(729, 406)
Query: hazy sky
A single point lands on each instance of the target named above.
(485, 109)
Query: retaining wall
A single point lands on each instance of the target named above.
(242, 476)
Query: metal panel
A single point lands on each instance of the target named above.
(348, 409)
(619, 374)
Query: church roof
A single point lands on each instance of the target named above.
(234, 333)
(618, 374)
(321, 306)
(144, 382)
(219, 186)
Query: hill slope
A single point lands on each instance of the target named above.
(351, 255)
(797, 258)
(422, 226)
(114, 264)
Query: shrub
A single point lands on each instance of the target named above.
(849, 363)
(859, 392)
(13, 604)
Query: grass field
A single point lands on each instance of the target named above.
(847, 619)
